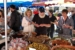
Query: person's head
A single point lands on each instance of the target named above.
(64, 12)
(47, 9)
(12, 7)
(42, 11)
(28, 13)
(58, 16)
(50, 12)
(1, 13)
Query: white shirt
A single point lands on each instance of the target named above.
(9, 13)
(26, 26)
(69, 14)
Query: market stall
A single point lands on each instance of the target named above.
(25, 41)
(29, 40)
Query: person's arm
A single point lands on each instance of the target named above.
(44, 25)
(12, 20)
(54, 20)
(47, 24)
(34, 21)
(36, 25)
(71, 24)
(60, 23)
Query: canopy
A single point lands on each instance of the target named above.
(26, 4)
(68, 5)
(17, 4)
(1, 4)
(39, 4)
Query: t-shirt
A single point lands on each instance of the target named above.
(53, 18)
(39, 21)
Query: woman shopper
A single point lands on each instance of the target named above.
(52, 19)
(27, 22)
(66, 25)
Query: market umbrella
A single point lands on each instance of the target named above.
(26, 4)
(39, 4)
(1, 4)
(17, 4)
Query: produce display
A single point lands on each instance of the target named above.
(26, 40)
(60, 42)
(41, 39)
(9, 30)
(44, 37)
(38, 46)
(34, 39)
(63, 47)
(2, 31)
(18, 44)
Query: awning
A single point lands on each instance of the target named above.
(38, 4)
(26, 4)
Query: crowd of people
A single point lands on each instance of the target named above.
(41, 22)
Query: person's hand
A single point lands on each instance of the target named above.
(71, 27)
(66, 26)
(36, 25)
(56, 23)
(42, 25)
(52, 22)
(29, 23)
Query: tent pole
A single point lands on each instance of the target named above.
(5, 15)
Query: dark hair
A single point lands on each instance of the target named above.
(51, 11)
(12, 6)
(59, 14)
(2, 13)
(65, 10)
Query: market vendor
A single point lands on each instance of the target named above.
(41, 22)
